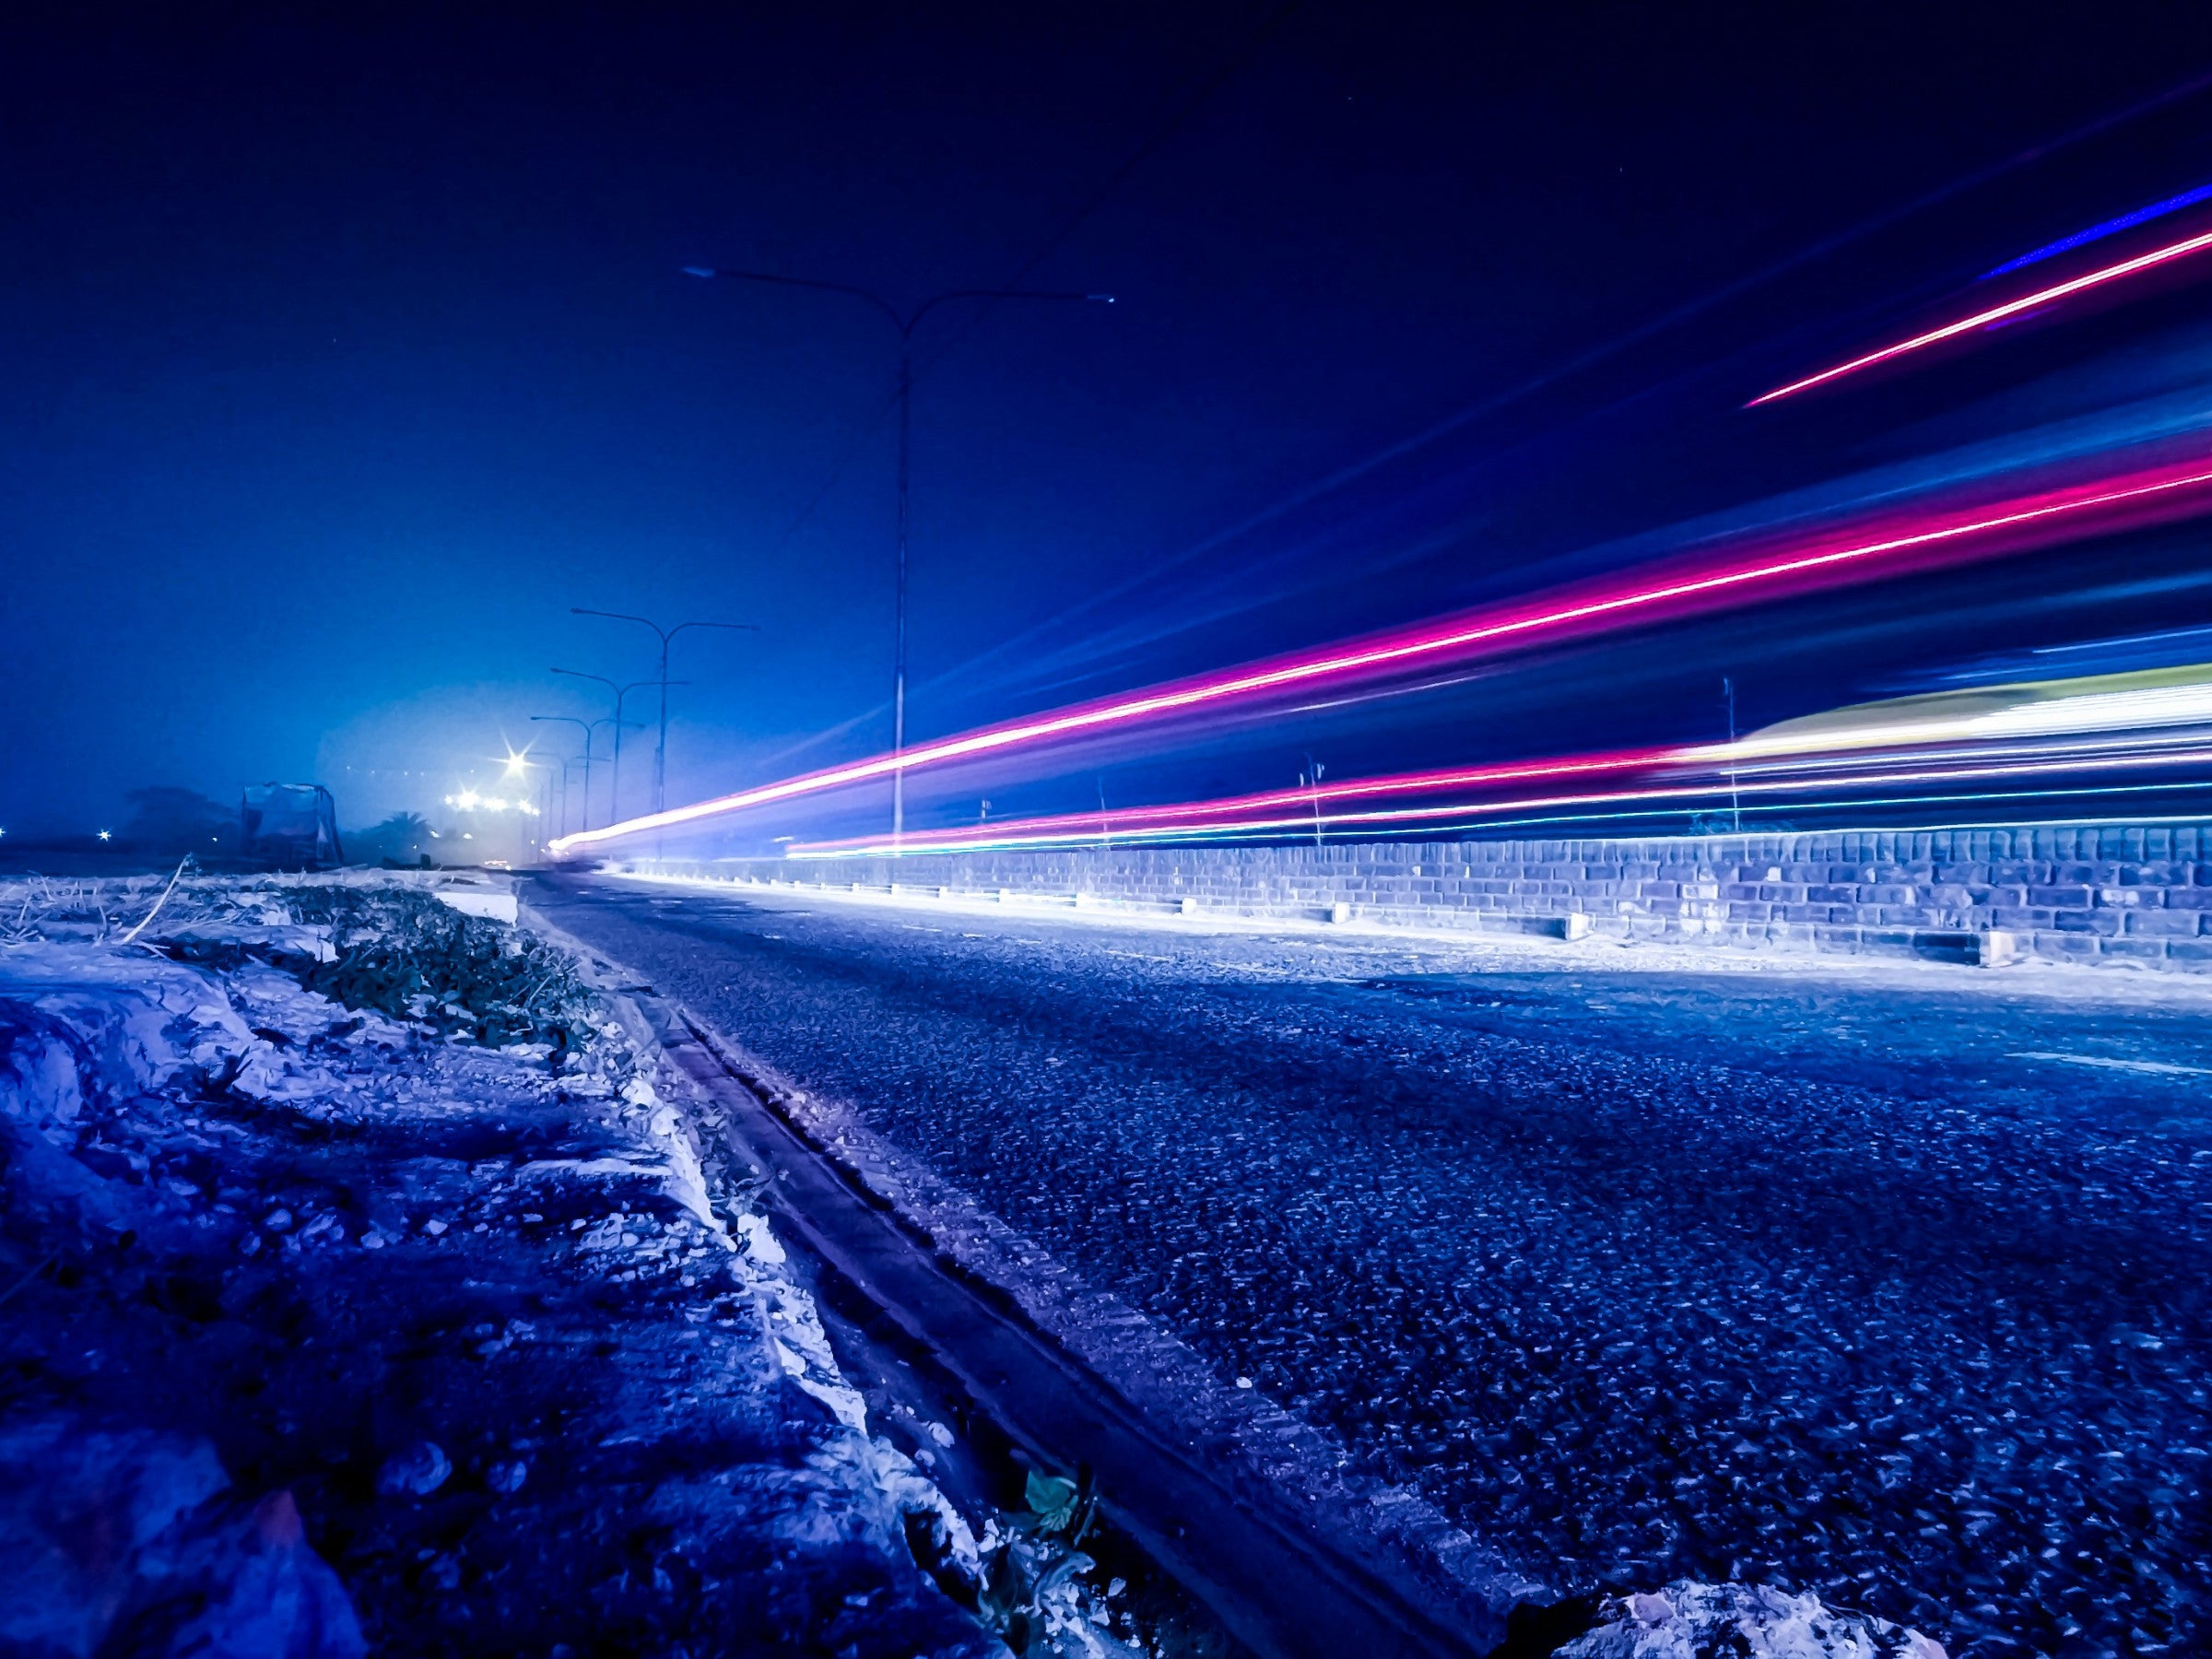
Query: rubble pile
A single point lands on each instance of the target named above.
(1691, 1620)
(325, 1330)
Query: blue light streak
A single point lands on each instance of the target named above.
(2126, 221)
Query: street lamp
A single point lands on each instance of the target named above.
(572, 719)
(905, 323)
(568, 766)
(614, 805)
(660, 753)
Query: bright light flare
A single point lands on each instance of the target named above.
(2153, 260)
(1568, 613)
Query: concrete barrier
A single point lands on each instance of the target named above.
(2116, 894)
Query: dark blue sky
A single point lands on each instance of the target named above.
(345, 351)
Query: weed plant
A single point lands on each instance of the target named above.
(401, 952)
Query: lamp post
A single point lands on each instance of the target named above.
(1735, 801)
(618, 724)
(572, 719)
(660, 752)
(614, 802)
(905, 323)
(568, 766)
(1312, 780)
(553, 793)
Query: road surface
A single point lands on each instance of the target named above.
(1889, 1283)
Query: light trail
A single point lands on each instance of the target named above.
(1301, 798)
(2133, 821)
(2111, 227)
(1568, 613)
(1294, 811)
(2189, 703)
(1996, 313)
(2087, 751)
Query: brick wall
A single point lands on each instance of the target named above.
(2138, 894)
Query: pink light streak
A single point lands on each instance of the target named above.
(1566, 613)
(1996, 313)
(1233, 815)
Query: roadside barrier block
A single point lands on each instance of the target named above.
(1997, 948)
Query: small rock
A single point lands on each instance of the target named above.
(433, 1226)
(416, 1472)
(507, 1476)
(277, 1220)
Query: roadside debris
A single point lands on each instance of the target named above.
(333, 1329)
(1740, 1621)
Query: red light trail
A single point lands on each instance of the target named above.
(1996, 313)
(1566, 613)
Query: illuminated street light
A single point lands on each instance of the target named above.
(905, 323)
(107, 835)
(468, 800)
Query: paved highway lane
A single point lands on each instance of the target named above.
(1889, 1283)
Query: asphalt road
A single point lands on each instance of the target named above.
(1890, 1284)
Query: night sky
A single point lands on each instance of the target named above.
(346, 349)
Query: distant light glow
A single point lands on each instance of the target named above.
(468, 800)
(1996, 313)
(2111, 227)
(1565, 613)
(107, 835)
